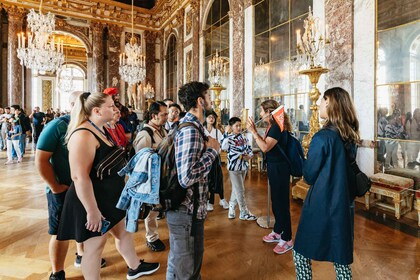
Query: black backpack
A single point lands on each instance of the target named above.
(171, 193)
(294, 155)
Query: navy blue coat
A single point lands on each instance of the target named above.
(325, 231)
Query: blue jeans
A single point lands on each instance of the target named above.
(186, 251)
(22, 144)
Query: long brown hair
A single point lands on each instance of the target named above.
(342, 115)
(271, 105)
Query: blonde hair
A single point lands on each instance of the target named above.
(271, 105)
(83, 109)
(342, 114)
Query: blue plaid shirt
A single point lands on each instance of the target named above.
(193, 163)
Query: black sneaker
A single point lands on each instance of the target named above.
(144, 268)
(78, 261)
(156, 245)
(60, 275)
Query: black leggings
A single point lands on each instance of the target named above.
(211, 200)
(279, 178)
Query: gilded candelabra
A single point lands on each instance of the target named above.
(217, 72)
(309, 47)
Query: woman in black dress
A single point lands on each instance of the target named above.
(278, 172)
(90, 201)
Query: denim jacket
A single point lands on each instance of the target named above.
(140, 188)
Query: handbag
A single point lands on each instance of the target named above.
(113, 162)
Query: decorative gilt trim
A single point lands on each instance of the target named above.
(195, 6)
(14, 12)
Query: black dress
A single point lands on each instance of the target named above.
(107, 193)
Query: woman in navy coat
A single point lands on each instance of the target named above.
(325, 231)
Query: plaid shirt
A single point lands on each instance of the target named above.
(193, 163)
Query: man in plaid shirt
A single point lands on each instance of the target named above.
(194, 157)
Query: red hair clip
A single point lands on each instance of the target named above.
(111, 91)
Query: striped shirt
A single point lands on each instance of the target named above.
(237, 146)
(193, 163)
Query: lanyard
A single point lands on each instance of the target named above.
(102, 132)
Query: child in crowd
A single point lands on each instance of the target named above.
(13, 135)
(239, 152)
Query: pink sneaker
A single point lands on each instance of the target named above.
(272, 237)
(283, 247)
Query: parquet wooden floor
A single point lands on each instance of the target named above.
(233, 248)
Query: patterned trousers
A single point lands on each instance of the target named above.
(304, 268)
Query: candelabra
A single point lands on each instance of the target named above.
(40, 53)
(149, 93)
(309, 46)
(217, 72)
(132, 62)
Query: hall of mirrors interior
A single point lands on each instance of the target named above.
(247, 51)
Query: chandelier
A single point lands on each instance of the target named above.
(65, 83)
(149, 91)
(132, 62)
(217, 70)
(40, 53)
(312, 43)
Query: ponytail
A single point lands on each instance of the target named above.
(83, 109)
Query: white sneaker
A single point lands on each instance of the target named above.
(231, 213)
(9, 162)
(209, 207)
(247, 216)
(224, 204)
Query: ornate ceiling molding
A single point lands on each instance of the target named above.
(107, 11)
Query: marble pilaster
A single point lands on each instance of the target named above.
(339, 15)
(114, 43)
(98, 63)
(14, 69)
(150, 39)
(236, 15)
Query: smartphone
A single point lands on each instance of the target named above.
(105, 226)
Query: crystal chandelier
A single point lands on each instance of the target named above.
(65, 83)
(312, 42)
(217, 70)
(132, 63)
(40, 53)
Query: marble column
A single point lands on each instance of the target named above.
(236, 14)
(14, 69)
(150, 39)
(339, 15)
(114, 43)
(195, 10)
(98, 65)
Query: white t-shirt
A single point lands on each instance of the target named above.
(216, 134)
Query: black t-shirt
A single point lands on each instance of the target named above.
(274, 155)
(38, 118)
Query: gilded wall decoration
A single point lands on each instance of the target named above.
(188, 23)
(188, 67)
(46, 94)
